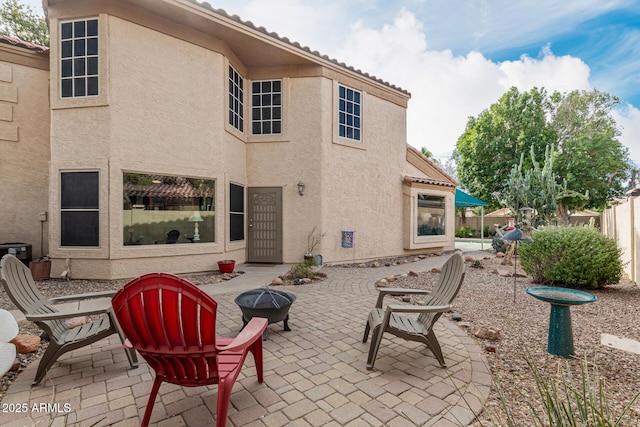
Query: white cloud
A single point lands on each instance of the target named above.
(447, 89)
(628, 119)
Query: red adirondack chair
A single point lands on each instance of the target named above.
(171, 323)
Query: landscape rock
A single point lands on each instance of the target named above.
(76, 321)
(362, 265)
(489, 348)
(486, 333)
(26, 343)
(500, 254)
(375, 264)
(422, 256)
(416, 259)
(391, 278)
(456, 316)
(406, 298)
(468, 258)
(15, 366)
(382, 282)
(277, 281)
(413, 273)
(436, 270)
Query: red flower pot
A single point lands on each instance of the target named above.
(226, 265)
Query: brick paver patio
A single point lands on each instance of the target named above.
(315, 375)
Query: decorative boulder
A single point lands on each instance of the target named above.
(8, 332)
(26, 343)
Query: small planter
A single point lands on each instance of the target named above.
(226, 265)
(40, 270)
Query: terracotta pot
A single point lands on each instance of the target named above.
(226, 265)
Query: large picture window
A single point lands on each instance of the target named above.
(236, 99)
(266, 107)
(79, 58)
(349, 103)
(79, 209)
(236, 212)
(431, 215)
(161, 209)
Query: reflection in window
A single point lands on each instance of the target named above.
(431, 215)
(236, 212)
(160, 209)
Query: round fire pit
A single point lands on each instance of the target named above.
(262, 302)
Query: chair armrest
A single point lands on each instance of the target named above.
(63, 315)
(397, 292)
(102, 294)
(419, 309)
(248, 335)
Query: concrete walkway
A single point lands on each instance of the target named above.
(315, 375)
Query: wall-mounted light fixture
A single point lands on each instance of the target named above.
(301, 188)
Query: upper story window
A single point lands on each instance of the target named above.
(349, 103)
(236, 99)
(266, 107)
(79, 58)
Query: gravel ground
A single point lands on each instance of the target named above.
(487, 298)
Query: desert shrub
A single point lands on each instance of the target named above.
(572, 256)
(303, 271)
(466, 232)
(498, 244)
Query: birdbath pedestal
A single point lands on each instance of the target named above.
(560, 341)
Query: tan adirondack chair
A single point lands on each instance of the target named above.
(420, 329)
(22, 290)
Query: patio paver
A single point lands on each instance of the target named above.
(314, 375)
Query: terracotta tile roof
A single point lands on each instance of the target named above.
(418, 180)
(178, 187)
(26, 45)
(275, 35)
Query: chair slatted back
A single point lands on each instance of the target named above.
(171, 323)
(24, 293)
(448, 286)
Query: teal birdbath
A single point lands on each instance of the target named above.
(560, 342)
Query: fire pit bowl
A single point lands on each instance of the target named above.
(263, 302)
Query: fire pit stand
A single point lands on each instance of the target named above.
(264, 302)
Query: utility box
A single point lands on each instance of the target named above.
(40, 269)
(22, 251)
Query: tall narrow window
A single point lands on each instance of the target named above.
(79, 58)
(236, 99)
(266, 107)
(236, 212)
(349, 103)
(79, 209)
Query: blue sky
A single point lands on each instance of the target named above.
(457, 57)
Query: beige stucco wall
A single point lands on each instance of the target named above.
(162, 110)
(24, 147)
(169, 121)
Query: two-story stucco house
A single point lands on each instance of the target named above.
(165, 135)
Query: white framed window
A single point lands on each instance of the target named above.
(349, 113)
(79, 61)
(431, 210)
(236, 99)
(266, 107)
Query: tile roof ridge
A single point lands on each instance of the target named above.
(20, 43)
(273, 34)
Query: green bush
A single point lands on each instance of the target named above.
(571, 256)
(498, 244)
(302, 271)
(467, 232)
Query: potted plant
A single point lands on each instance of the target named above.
(313, 240)
(226, 265)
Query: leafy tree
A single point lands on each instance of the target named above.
(590, 158)
(21, 22)
(494, 141)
